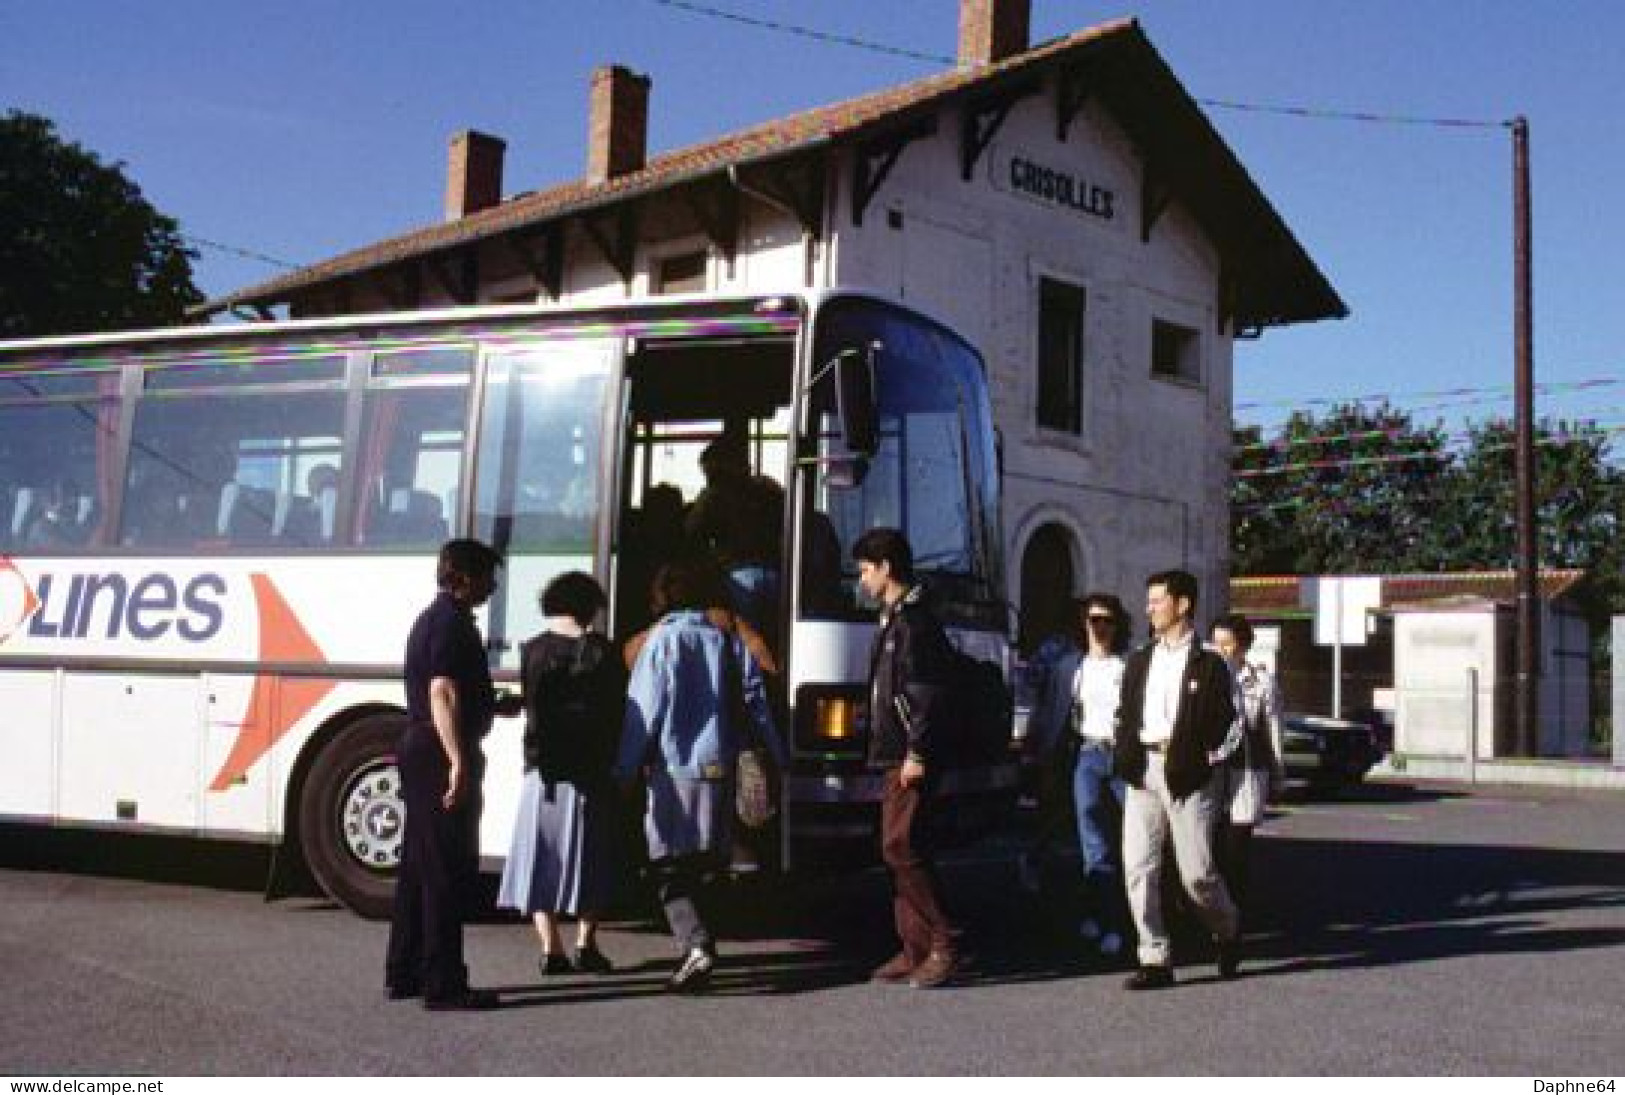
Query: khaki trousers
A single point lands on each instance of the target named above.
(1150, 815)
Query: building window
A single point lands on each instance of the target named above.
(681, 273)
(1176, 352)
(1060, 356)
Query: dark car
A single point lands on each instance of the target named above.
(1328, 753)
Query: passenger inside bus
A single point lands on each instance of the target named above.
(739, 519)
(412, 517)
(311, 516)
(654, 537)
(56, 517)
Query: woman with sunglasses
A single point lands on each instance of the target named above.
(1096, 794)
(1079, 706)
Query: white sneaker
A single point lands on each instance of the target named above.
(1111, 944)
(1089, 929)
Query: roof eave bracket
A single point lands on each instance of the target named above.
(616, 237)
(797, 189)
(983, 118)
(873, 162)
(1072, 92)
(541, 253)
(716, 208)
(458, 274)
(1155, 197)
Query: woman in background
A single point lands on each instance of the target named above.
(1253, 757)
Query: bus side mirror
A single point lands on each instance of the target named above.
(855, 399)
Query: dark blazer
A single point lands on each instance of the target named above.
(1207, 708)
(910, 667)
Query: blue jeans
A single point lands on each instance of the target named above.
(1099, 802)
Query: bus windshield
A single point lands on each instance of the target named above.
(933, 476)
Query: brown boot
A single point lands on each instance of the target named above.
(894, 971)
(938, 969)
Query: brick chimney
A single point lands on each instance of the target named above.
(992, 30)
(473, 173)
(618, 137)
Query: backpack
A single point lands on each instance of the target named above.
(566, 685)
(985, 710)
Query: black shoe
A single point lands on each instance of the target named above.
(695, 972)
(407, 991)
(1150, 977)
(591, 960)
(1229, 954)
(466, 1000)
(551, 965)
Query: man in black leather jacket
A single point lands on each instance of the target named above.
(909, 677)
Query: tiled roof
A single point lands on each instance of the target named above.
(1280, 595)
(1127, 72)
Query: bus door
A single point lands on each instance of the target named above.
(540, 483)
(703, 472)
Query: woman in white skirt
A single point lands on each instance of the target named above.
(562, 860)
(1253, 766)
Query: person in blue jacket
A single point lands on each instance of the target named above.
(695, 700)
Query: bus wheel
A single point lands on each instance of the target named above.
(352, 816)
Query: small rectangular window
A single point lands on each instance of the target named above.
(216, 373)
(1060, 356)
(45, 385)
(1175, 352)
(457, 361)
(681, 273)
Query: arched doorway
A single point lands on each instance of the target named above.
(1047, 577)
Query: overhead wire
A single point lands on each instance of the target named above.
(1291, 110)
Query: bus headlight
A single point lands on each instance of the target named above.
(835, 718)
(831, 720)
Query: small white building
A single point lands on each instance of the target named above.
(1424, 633)
(1067, 206)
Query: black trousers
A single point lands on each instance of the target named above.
(440, 862)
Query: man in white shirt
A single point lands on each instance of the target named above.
(1178, 707)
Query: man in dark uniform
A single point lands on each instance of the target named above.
(450, 703)
(909, 681)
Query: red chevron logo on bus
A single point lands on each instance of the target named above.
(18, 601)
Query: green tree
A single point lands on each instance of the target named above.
(1348, 492)
(1579, 506)
(80, 248)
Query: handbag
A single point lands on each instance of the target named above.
(754, 803)
(753, 789)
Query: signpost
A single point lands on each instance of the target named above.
(1341, 605)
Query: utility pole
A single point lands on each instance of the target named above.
(1528, 559)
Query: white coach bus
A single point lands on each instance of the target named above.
(214, 540)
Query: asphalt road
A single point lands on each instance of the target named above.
(1403, 930)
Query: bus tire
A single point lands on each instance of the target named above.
(352, 815)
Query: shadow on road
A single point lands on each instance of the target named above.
(1319, 904)
(1354, 905)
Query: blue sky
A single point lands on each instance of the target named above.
(308, 127)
